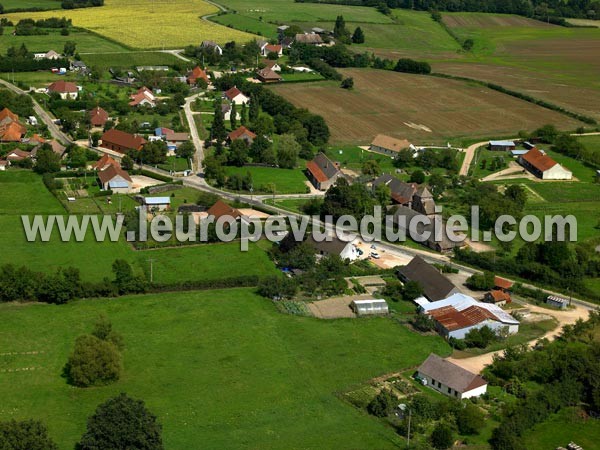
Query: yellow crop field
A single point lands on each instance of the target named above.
(148, 24)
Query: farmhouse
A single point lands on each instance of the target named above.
(12, 132)
(197, 74)
(267, 75)
(213, 46)
(78, 66)
(7, 116)
(450, 379)
(310, 39)
(242, 133)
(423, 229)
(273, 65)
(401, 193)
(497, 297)
(458, 314)
(17, 155)
(226, 108)
(435, 285)
(333, 245)
(55, 146)
(222, 209)
(65, 89)
(544, 167)
(175, 139)
(322, 172)
(388, 145)
(157, 203)
(236, 96)
(98, 117)
(113, 178)
(269, 48)
(369, 307)
(121, 142)
(502, 145)
(143, 97)
(104, 162)
(48, 55)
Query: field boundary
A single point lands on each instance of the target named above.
(528, 98)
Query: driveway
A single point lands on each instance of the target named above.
(568, 317)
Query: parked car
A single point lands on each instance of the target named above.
(375, 255)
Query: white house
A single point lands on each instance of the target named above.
(4, 164)
(236, 96)
(450, 379)
(369, 307)
(65, 89)
(334, 246)
(211, 45)
(458, 314)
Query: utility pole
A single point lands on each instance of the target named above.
(151, 270)
(408, 434)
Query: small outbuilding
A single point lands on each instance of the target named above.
(369, 307)
(501, 146)
(157, 203)
(557, 302)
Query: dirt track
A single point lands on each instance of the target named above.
(477, 363)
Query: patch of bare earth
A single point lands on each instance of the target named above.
(391, 103)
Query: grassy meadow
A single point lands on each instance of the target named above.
(86, 41)
(23, 192)
(218, 367)
(130, 59)
(285, 181)
(22, 4)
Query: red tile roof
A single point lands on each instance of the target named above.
(500, 296)
(316, 171)
(233, 93)
(63, 86)
(13, 132)
(104, 162)
(273, 48)
(196, 73)
(452, 319)
(7, 113)
(240, 132)
(98, 116)
(539, 160)
(112, 171)
(221, 209)
(502, 283)
(123, 139)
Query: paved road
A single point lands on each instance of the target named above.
(198, 144)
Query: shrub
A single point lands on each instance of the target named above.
(25, 435)
(93, 362)
(442, 437)
(383, 404)
(122, 423)
(469, 419)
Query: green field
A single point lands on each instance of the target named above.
(23, 193)
(130, 59)
(23, 4)
(86, 42)
(174, 163)
(248, 24)
(591, 142)
(223, 368)
(353, 157)
(284, 11)
(285, 181)
(562, 428)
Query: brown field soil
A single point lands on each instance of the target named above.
(563, 72)
(491, 20)
(407, 106)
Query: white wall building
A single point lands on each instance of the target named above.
(450, 379)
